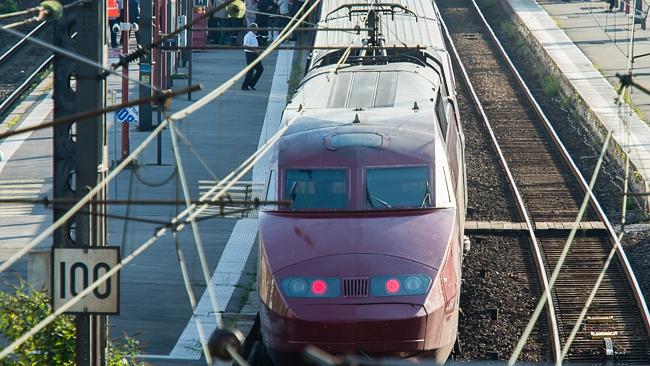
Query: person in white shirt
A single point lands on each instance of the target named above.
(251, 51)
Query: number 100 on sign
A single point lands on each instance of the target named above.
(75, 269)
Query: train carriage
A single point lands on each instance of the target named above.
(367, 258)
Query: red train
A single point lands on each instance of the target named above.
(368, 257)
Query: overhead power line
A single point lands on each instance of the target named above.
(180, 221)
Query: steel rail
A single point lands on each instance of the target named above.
(521, 207)
(22, 88)
(584, 186)
(10, 52)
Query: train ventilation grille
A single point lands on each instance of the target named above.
(355, 287)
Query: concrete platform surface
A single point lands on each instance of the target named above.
(155, 306)
(590, 46)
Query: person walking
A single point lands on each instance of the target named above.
(251, 51)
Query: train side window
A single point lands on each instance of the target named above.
(441, 113)
(316, 188)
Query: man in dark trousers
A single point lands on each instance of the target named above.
(251, 51)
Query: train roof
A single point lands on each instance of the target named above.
(413, 23)
(395, 85)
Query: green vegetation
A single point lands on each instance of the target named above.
(22, 309)
(599, 67)
(509, 28)
(8, 6)
(550, 86)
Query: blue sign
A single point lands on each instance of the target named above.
(128, 115)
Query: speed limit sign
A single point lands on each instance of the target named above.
(75, 269)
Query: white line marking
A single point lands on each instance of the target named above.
(232, 261)
(10, 145)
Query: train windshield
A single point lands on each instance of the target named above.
(402, 187)
(317, 188)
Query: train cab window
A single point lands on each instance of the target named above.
(401, 187)
(441, 114)
(316, 188)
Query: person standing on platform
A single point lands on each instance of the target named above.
(251, 51)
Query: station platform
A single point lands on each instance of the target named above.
(221, 135)
(155, 307)
(589, 45)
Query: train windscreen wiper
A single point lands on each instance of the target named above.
(292, 192)
(427, 196)
(370, 197)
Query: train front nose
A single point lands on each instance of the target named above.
(349, 305)
(348, 328)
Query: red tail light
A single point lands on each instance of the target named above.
(319, 287)
(392, 285)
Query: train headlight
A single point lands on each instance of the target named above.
(310, 287)
(298, 286)
(404, 285)
(413, 283)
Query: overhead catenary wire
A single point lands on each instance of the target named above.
(197, 238)
(188, 286)
(198, 156)
(182, 114)
(163, 99)
(190, 293)
(76, 57)
(565, 250)
(601, 275)
(195, 229)
(160, 231)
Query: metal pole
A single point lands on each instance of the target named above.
(159, 140)
(159, 112)
(91, 146)
(125, 82)
(145, 37)
(114, 102)
(189, 8)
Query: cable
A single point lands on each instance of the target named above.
(160, 231)
(192, 297)
(198, 156)
(592, 295)
(618, 239)
(125, 228)
(183, 113)
(74, 56)
(147, 183)
(195, 227)
(565, 251)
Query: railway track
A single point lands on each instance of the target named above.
(548, 188)
(20, 66)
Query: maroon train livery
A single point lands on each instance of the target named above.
(367, 258)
